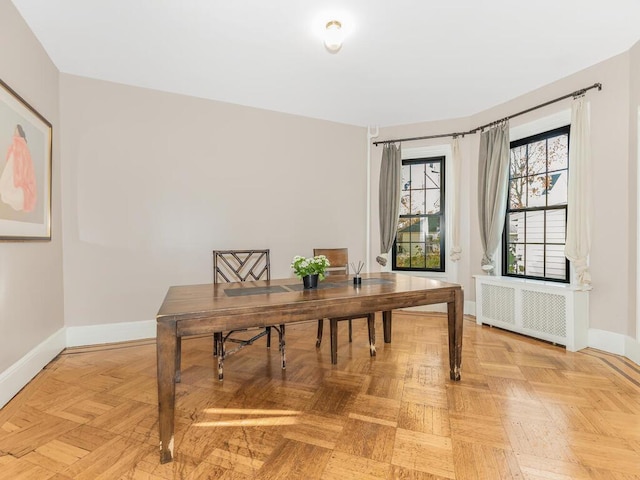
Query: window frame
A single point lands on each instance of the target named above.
(423, 160)
(566, 129)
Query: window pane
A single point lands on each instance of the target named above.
(402, 255)
(556, 226)
(406, 177)
(556, 262)
(432, 175)
(405, 204)
(417, 255)
(537, 186)
(537, 157)
(417, 176)
(515, 259)
(418, 202)
(515, 233)
(535, 227)
(433, 243)
(558, 152)
(433, 201)
(517, 192)
(518, 163)
(534, 260)
(557, 188)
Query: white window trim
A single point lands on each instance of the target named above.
(541, 125)
(450, 268)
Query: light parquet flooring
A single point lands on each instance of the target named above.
(524, 409)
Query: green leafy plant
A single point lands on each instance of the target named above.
(310, 266)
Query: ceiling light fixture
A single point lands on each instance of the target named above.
(333, 36)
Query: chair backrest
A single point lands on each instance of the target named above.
(338, 258)
(241, 265)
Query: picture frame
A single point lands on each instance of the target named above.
(25, 169)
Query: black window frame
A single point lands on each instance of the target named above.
(441, 159)
(505, 232)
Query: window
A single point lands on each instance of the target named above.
(536, 219)
(419, 244)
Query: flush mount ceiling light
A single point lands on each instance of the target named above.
(333, 36)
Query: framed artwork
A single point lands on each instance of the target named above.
(25, 169)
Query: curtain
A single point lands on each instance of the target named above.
(389, 200)
(579, 193)
(493, 178)
(456, 251)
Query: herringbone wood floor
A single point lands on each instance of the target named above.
(524, 409)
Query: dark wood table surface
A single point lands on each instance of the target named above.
(209, 308)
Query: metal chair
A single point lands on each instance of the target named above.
(339, 265)
(240, 266)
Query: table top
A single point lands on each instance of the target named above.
(234, 303)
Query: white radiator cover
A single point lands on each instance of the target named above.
(554, 312)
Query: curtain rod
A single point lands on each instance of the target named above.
(577, 93)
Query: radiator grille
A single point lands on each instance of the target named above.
(498, 303)
(544, 312)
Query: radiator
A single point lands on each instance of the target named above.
(557, 313)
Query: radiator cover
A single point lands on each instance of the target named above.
(557, 313)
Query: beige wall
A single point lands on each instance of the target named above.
(30, 272)
(613, 291)
(634, 152)
(154, 181)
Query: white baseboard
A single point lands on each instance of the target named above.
(632, 350)
(110, 333)
(607, 341)
(14, 378)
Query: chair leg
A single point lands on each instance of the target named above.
(371, 323)
(386, 323)
(283, 357)
(268, 337)
(215, 344)
(333, 333)
(319, 339)
(220, 350)
(350, 332)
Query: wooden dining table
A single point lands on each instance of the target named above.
(211, 308)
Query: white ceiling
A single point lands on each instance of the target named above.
(403, 61)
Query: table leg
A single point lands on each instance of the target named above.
(371, 323)
(167, 348)
(179, 360)
(386, 324)
(334, 340)
(455, 312)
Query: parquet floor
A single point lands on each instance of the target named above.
(523, 410)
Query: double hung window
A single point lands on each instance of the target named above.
(420, 240)
(536, 217)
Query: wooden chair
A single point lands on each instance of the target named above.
(240, 266)
(339, 265)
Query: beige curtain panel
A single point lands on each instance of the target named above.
(456, 251)
(493, 185)
(578, 241)
(389, 198)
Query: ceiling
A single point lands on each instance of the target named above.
(403, 61)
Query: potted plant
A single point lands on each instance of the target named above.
(310, 269)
